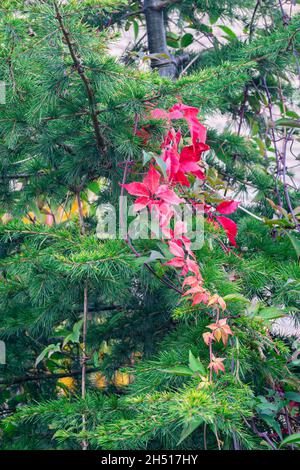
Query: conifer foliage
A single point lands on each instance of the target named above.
(122, 343)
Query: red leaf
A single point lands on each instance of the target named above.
(181, 178)
(168, 195)
(191, 281)
(188, 111)
(200, 298)
(141, 203)
(171, 158)
(176, 250)
(199, 174)
(189, 167)
(193, 266)
(151, 180)
(158, 113)
(230, 228)
(227, 207)
(179, 229)
(176, 262)
(136, 189)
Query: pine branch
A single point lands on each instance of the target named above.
(37, 377)
(80, 69)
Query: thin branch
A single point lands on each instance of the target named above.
(47, 376)
(80, 213)
(239, 206)
(251, 29)
(285, 187)
(277, 154)
(80, 69)
(190, 64)
(84, 359)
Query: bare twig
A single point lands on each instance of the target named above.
(272, 132)
(251, 29)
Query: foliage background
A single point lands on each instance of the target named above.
(66, 132)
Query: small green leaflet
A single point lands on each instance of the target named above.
(270, 313)
(96, 359)
(189, 429)
(162, 165)
(179, 370)
(229, 33)
(288, 123)
(296, 243)
(154, 256)
(293, 396)
(195, 364)
(186, 40)
(48, 351)
(236, 298)
(272, 423)
(173, 40)
(94, 187)
(292, 439)
(75, 335)
(135, 29)
(147, 156)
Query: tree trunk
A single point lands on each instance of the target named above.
(157, 41)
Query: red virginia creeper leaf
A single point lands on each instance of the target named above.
(227, 207)
(136, 189)
(230, 228)
(151, 180)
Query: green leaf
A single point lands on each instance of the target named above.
(231, 34)
(270, 313)
(272, 423)
(296, 243)
(135, 29)
(204, 28)
(48, 351)
(195, 364)
(287, 123)
(94, 187)
(75, 335)
(173, 40)
(293, 396)
(162, 165)
(189, 429)
(147, 157)
(236, 298)
(186, 40)
(179, 370)
(213, 17)
(96, 359)
(292, 114)
(261, 144)
(154, 256)
(292, 439)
